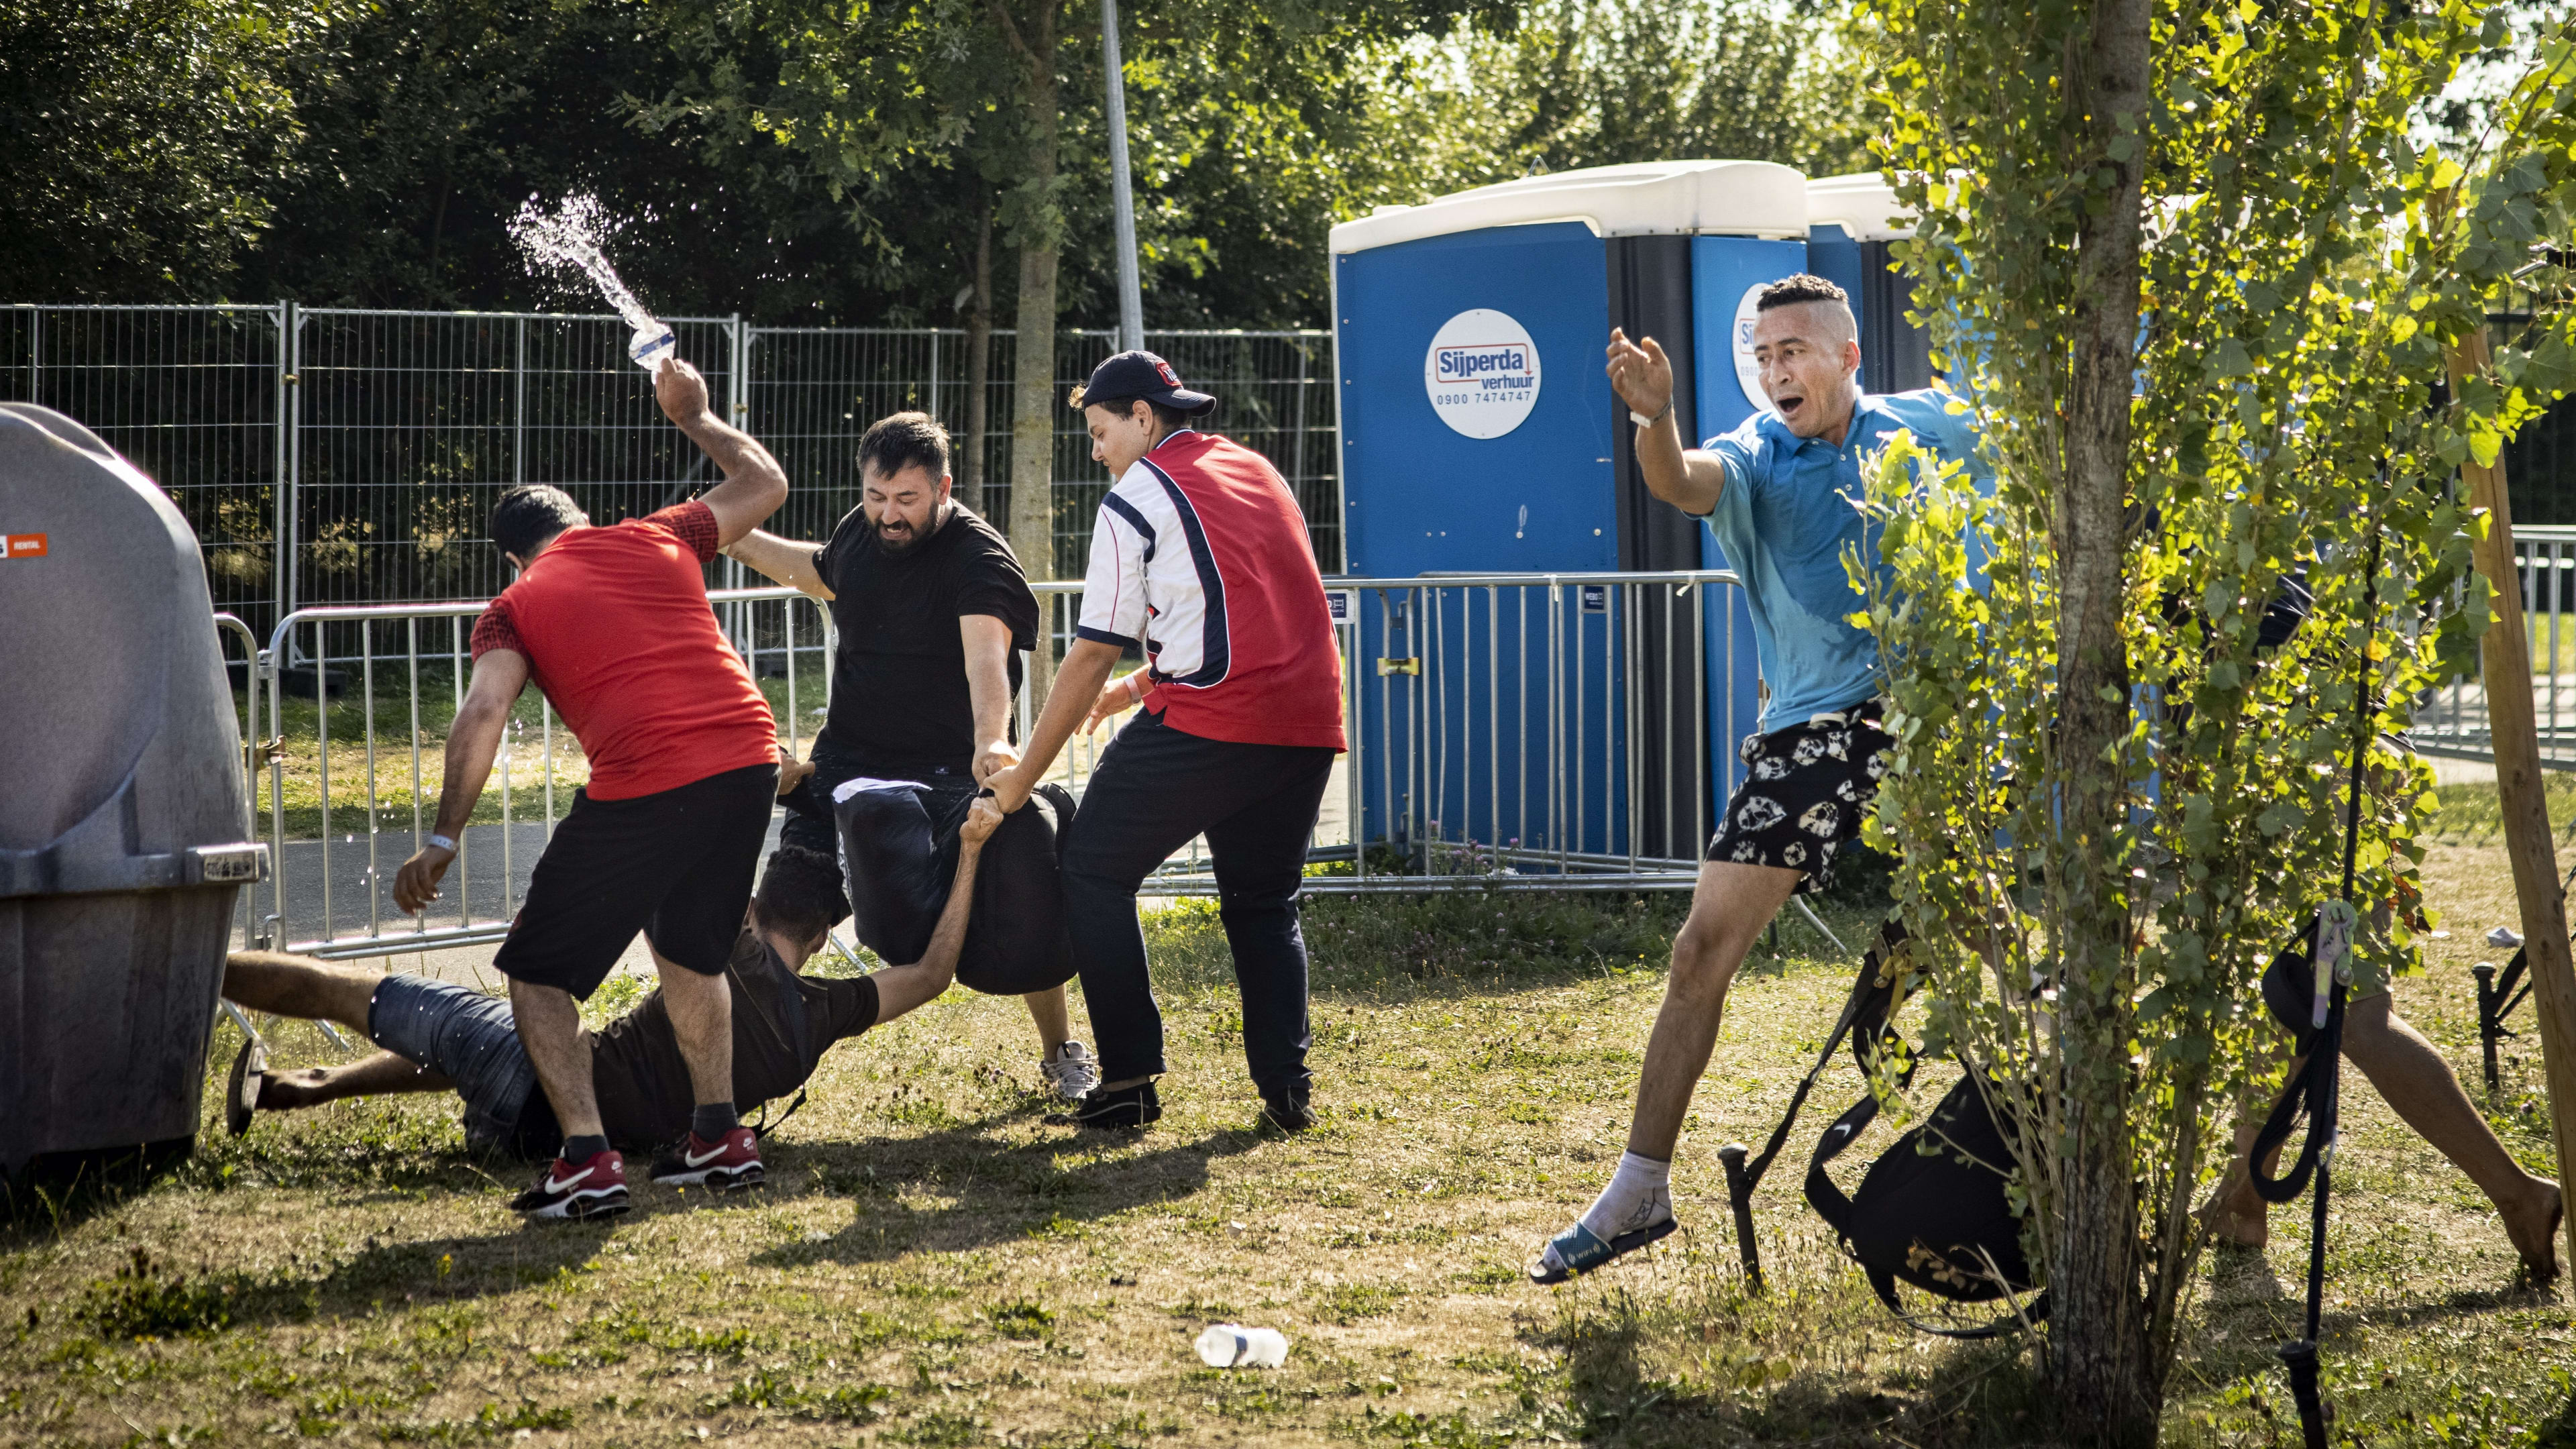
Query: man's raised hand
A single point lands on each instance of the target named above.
(680, 391)
(1640, 373)
(982, 819)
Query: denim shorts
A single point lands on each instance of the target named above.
(468, 1038)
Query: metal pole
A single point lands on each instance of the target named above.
(282, 550)
(519, 404)
(1131, 295)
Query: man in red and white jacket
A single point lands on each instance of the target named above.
(1199, 558)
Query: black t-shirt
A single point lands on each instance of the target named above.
(899, 696)
(782, 1025)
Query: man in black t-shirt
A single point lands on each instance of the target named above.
(438, 1036)
(931, 611)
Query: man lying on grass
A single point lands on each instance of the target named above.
(440, 1037)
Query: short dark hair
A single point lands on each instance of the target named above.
(1172, 419)
(892, 444)
(800, 895)
(530, 514)
(1804, 287)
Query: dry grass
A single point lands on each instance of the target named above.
(932, 1265)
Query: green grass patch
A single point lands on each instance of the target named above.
(931, 1264)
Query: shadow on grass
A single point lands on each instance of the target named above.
(151, 1297)
(1006, 1191)
(1968, 1395)
(60, 1190)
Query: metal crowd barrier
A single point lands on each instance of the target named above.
(1507, 732)
(2451, 721)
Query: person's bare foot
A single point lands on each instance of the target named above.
(2238, 1218)
(2532, 1225)
(286, 1091)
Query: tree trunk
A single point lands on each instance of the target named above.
(2107, 1379)
(2531, 846)
(979, 367)
(1034, 402)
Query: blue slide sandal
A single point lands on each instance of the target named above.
(1581, 1250)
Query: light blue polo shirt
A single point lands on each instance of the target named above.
(1789, 508)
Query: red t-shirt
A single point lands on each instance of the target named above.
(615, 626)
(1200, 556)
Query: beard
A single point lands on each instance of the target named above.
(911, 536)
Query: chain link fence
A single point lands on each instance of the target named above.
(334, 456)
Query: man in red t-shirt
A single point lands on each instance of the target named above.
(613, 624)
(1200, 559)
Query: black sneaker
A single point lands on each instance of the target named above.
(241, 1090)
(578, 1190)
(1287, 1111)
(1136, 1106)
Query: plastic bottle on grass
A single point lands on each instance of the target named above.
(1229, 1345)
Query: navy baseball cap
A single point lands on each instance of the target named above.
(1142, 374)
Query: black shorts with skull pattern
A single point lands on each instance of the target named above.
(1804, 792)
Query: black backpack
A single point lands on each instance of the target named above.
(1938, 1219)
(1932, 1210)
(899, 853)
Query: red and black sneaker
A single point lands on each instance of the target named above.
(594, 1188)
(729, 1163)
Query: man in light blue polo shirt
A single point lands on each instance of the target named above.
(1782, 496)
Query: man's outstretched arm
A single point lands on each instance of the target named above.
(473, 742)
(754, 485)
(901, 988)
(783, 560)
(1687, 478)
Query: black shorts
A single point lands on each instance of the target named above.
(677, 865)
(1805, 790)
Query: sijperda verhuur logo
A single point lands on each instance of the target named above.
(1481, 373)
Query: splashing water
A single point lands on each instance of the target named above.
(569, 238)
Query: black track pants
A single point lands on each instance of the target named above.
(1156, 788)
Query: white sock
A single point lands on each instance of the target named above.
(1640, 1195)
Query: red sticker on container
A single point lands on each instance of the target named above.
(23, 545)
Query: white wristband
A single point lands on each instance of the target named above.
(1643, 421)
(443, 843)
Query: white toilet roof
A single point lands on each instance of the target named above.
(1654, 198)
(1862, 204)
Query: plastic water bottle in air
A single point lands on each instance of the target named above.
(650, 344)
(1229, 1345)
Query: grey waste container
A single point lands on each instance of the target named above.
(122, 802)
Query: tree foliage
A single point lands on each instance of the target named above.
(830, 163)
(2309, 265)
(1579, 83)
(137, 133)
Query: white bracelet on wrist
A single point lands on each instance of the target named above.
(443, 843)
(1643, 421)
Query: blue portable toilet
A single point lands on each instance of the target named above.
(1480, 435)
(1851, 220)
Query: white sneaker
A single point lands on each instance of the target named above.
(1073, 1073)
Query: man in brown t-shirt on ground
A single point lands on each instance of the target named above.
(438, 1036)
(613, 624)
